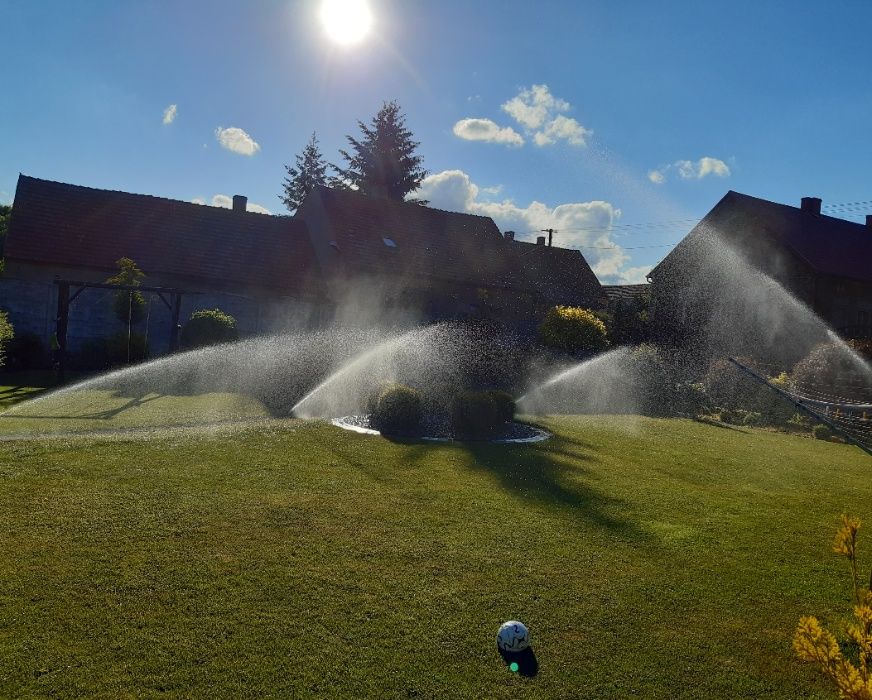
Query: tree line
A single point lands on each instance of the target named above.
(382, 162)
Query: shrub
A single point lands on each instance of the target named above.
(7, 333)
(475, 415)
(821, 432)
(208, 327)
(729, 416)
(830, 368)
(398, 410)
(504, 404)
(572, 329)
(26, 351)
(752, 418)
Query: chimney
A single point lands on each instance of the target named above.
(540, 240)
(812, 205)
(240, 202)
(509, 235)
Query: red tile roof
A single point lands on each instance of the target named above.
(70, 225)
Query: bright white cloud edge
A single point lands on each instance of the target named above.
(236, 140)
(225, 202)
(584, 225)
(474, 129)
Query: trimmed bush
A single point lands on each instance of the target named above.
(209, 327)
(573, 330)
(26, 351)
(821, 432)
(504, 404)
(398, 410)
(475, 415)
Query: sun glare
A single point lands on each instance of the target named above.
(346, 21)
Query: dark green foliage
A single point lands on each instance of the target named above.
(398, 411)
(383, 162)
(822, 432)
(122, 349)
(573, 330)
(475, 415)
(27, 351)
(7, 333)
(627, 321)
(208, 327)
(310, 171)
(5, 215)
(504, 404)
(93, 354)
(129, 306)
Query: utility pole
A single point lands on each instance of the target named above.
(550, 232)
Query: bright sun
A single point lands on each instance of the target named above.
(346, 21)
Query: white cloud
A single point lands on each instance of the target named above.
(691, 170)
(585, 225)
(235, 139)
(532, 107)
(487, 130)
(540, 113)
(225, 202)
(169, 115)
(565, 128)
(633, 275)
(658, 177)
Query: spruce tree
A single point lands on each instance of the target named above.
(311, 170)
(383, 162)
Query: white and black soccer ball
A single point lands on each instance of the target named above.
(513, 636)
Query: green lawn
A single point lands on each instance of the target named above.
(650, 558)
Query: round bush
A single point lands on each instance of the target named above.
(208, 327)
(397, 411)
(504, 405)
(573, 330)
(475, 415)
(821, 432)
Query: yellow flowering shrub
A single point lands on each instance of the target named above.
(814, 644)
(573, 329)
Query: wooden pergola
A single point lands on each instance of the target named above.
(171, 297)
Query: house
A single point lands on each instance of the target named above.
(434, 265)
(343, 256)
(823, 261)
(259, 268)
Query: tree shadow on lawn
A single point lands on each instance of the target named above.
(108, 414)
(550, 474)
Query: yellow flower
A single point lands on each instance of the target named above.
(846, 538)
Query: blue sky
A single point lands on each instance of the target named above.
(617, 123)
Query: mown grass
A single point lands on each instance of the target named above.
(650, 558)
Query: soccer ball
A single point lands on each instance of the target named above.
(513, 636)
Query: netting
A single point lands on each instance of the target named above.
(846, 406)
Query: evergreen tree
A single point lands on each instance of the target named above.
(383, 163)
(311, 170)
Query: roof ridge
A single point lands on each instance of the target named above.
(394, 202)
(139, 194)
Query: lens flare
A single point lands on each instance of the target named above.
(346, 21)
